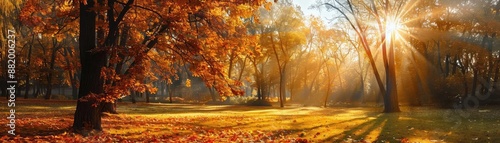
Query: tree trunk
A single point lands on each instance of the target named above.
(391, 103)
(28, 61)
(170, 92)
(447, 65)
(474, 84)
(327, 92)
(147, 96)
(132, 97)
(212, 94)
(48, 94)
(38, 90)
(161, 89)
(87, 115)
(72, 74)
(282, 89)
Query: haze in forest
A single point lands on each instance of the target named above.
(305, 57)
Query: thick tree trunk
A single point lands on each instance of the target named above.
(391, 103)
(87, 115)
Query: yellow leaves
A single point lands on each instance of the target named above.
(188, 83)
(216, 11)
(244, 11)
(268, 5)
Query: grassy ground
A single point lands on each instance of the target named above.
(39, 120)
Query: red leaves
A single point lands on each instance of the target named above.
(405, 140)
(316, 135)
(124, 128)
(299, 140)
(26, 12)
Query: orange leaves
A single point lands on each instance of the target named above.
(244, 11)
(59, 37)
(268, 5)
(155, 39)
(25, 15)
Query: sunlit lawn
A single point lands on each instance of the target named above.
(51, 120)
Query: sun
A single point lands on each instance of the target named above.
(392, 27)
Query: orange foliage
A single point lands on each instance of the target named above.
(151, 40)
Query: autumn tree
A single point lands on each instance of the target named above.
(387, 16)
(52, 26)
(182, 32)
(8, 9)
(464, 40)
(282, 32)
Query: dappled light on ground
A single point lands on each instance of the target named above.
(224, 123)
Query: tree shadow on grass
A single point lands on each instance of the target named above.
(310, 127)
(360, 131)
(394, 127)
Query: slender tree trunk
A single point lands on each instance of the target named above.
(147, 96)
(258, 80)
(328, 85)
(28, 74)
(439, 62)
(72, 74)
(162, 88)
(282, 98)
(38, 89)
(212, 94)
(74, 90)
(132, 97)
(170, 92)
(447, 65)
(48, 94)
(474, 83)
(87, 115)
